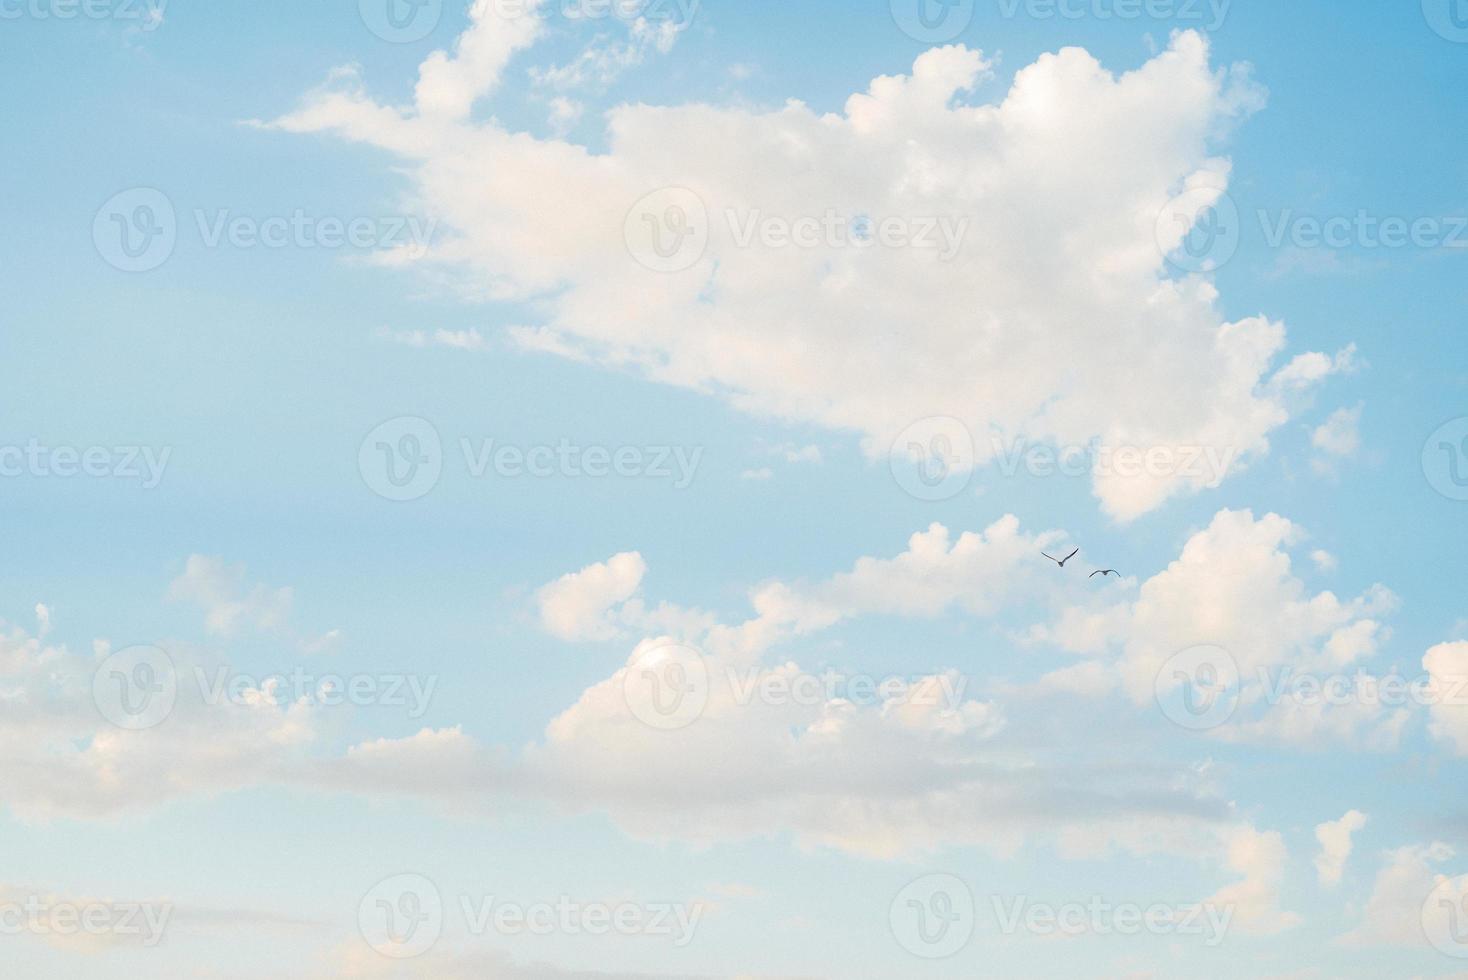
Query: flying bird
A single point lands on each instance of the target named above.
(1103, 572)
(1061, 561)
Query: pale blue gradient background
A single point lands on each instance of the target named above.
(261, 370)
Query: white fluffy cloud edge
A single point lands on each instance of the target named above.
(917, 766)
(1053, 319)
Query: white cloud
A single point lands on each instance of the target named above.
(1060, 185)
(564, 113)
(1338, 438)
(576, 606)
(801, 454)
(1447, 665)
(603, 61)
(1335, 846)
(1393, 915)
(230, 604)
(59, 758)
(1306, 370)
(1260, 857)
(470, 340)
(450, 83)
(1340, 434)
(1233, 586)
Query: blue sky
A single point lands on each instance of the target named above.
(766, 523)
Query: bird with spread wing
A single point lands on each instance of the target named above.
(1061, 561)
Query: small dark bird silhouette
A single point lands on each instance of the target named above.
(1061, 561)
(1104, 572)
